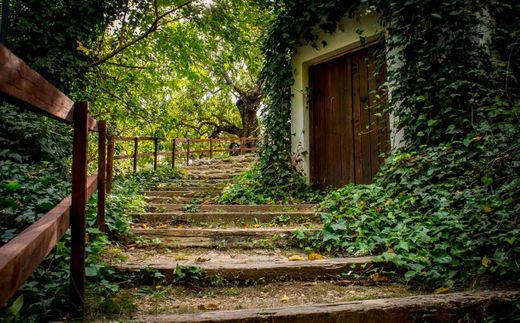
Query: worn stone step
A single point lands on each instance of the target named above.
(223, 237)
(222, 166)
(474, 306)
(187, 183)
(178, 199)
(181, 193)
(209, 176)
(236, 265)
(157, 207)
(226, 161)
(226, 217)
(210, 188)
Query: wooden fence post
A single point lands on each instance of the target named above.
(174, 143)
(110, 163)
(210, 148)
(136, 145)
(155, 144)
(77, 209)
(241, 146)
(188, 152)
(101, 185)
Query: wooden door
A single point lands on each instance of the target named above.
(348, 130)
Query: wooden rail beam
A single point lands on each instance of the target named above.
(20, 257)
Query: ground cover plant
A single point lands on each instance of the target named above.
(445, 207)
(45, 294)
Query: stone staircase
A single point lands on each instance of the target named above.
(250, 265)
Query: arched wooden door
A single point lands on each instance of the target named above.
(348, 129)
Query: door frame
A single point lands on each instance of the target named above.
(355, 47)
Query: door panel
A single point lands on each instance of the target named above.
(346, 129)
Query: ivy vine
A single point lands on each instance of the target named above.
(445, 207)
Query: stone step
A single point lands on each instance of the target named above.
(226, 217)
(178, 199)
(187, 183)
(474, 306)
(182, 193)
(210, 188)
(223, 237)
(210, 176)
(222, 166)
(157, 207)
(226, 161)
(237, 265)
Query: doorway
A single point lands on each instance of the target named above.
(349, 130)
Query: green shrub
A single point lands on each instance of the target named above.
(442, 215)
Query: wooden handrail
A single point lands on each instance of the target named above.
(21, 85)
(189, 151)
(21, 256)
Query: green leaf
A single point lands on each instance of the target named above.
(486, 180)
(12, 185)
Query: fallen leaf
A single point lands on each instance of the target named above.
(486, 209)
(285, 298)
(158, 287)
(200, 259)
(209, 306)
(314, 256)
(485, 261)
(441, 290)
(377, 277)
(296, 258)
(311, 284)
(181, 257)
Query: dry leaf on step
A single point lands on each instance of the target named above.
(377, 277)
(200, 259)
(285, 298)
(296, 258)
(441, 290)
(314, 256)
(209, 306)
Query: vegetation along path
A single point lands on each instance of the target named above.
(196, 260)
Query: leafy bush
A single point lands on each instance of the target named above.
(45, 294)
(251, 188)
(442, 215)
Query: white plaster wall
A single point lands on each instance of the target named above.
(342, 40)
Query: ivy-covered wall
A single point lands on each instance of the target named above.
(444, 77)
(444, 208)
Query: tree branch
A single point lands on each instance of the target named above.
(152, 28)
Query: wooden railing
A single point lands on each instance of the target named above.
(181, 146)
(20, 257)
